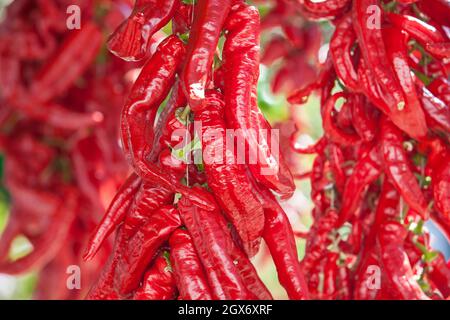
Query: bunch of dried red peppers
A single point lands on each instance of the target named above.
(186, 230)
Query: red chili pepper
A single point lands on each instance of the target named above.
(318, 239)
(227, 178)
(424, 33)
(114, 215)
(412, 116)
(71, 60)
(143, 245)
(209, 19)
(214, 245)
(341, 44)
(130, 41)
(395, 262)
(330, 289)
(374, 51)
(363, 120)
(398, 169)
(280, 239)
(188, 270)
(158, 282)
(366, 171)
(437, 111)
(241, 61)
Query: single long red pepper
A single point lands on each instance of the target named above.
(227, 178)
(370, 40)
(143, 245)
(188, 270)
(280, 239)
(366, 171)
(148, 92)
(213, 246)
(363, 121)
(395, 262)
(114, 215)
(71, 60)
(412, 116)
(341, 44)
(130, 41)
(241, 65)
(158, 282)
(398, 169)
(209, 18)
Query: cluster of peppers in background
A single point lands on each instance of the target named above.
(184, 230)
(382, 167)
(60, 100)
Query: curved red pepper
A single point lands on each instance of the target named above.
(227, 178)
(341, 45)
(114, 215)
(158, 282)
(131, 39)
(397, 168)
(188, 270)
(209, 18)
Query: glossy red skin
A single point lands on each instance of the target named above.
(214, 244)
(366, 171)
(395, 262)
(114, 215)
(158, 282)
(341, 44)
(363, 122)
(188, 270)
(397, 167)
(374, 52)
(130, 41)
(141, 248)
(209, 18)
(397, 52)
(279, 237)
(241, 66)
(227, 178)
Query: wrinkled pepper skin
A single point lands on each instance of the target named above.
(130, 41)
(187, 268)
(227, 178)
(158, 283)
